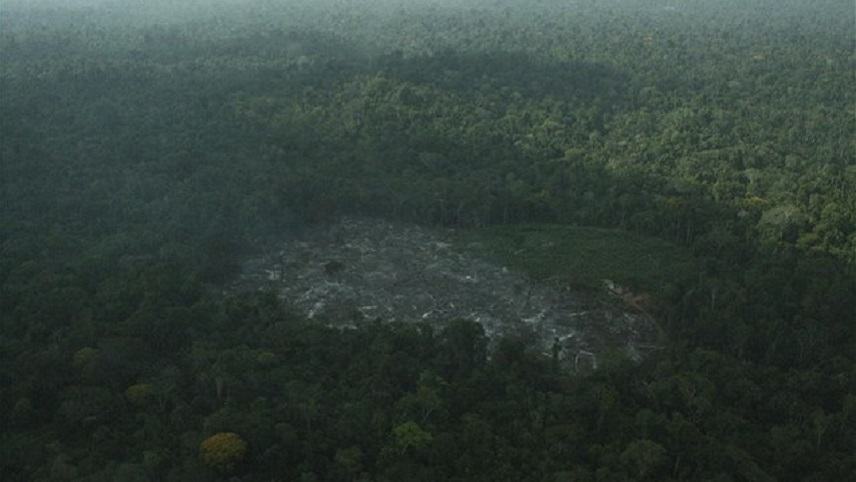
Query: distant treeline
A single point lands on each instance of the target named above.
(142, 154)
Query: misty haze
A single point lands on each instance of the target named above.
(427, 240)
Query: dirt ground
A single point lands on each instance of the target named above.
(356, 270)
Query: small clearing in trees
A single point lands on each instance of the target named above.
(358, 270)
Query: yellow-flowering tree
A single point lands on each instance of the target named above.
(223, 451)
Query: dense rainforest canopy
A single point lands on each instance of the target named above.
(146, 147)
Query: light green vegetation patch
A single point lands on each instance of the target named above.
(583, 256)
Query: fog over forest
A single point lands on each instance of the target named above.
(431, 240)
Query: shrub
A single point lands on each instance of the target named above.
(84, 357)
(140, 394)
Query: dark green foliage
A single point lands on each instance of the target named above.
(700, 152)
(585, 257)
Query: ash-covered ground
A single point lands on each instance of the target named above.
(358, 270)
